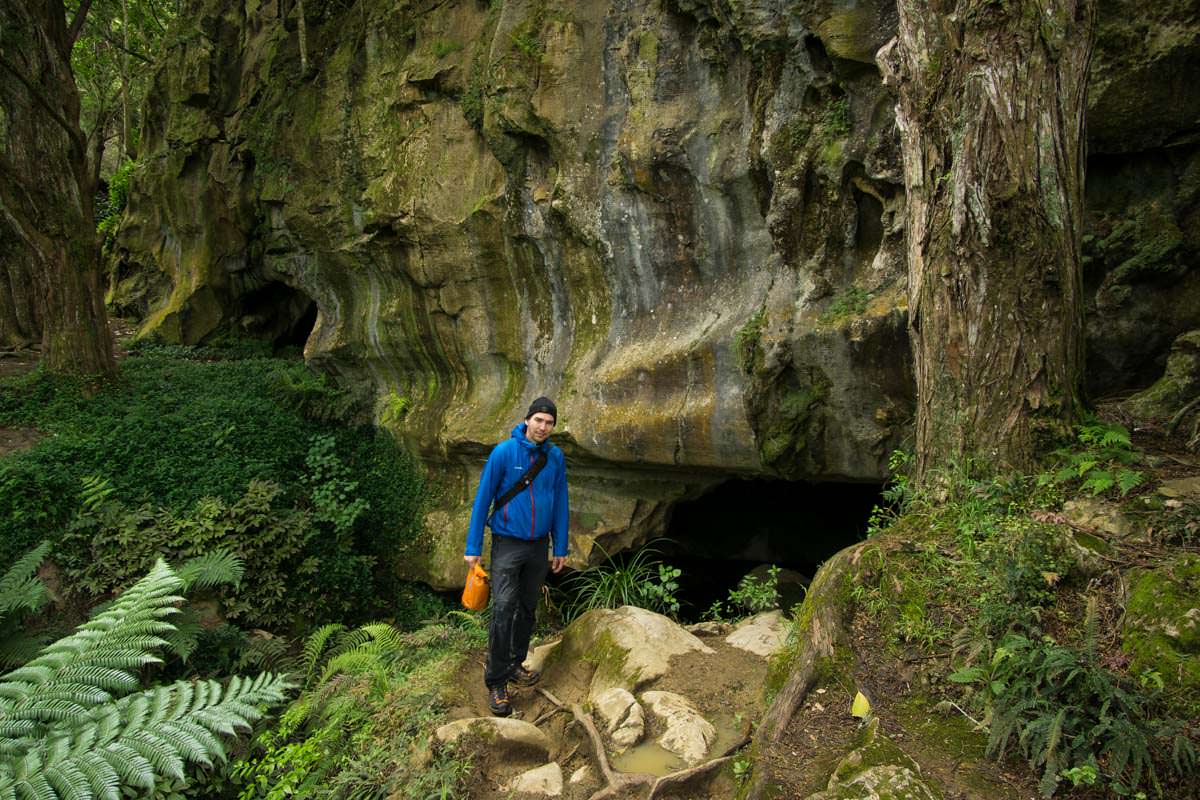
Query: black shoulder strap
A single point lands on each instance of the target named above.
(522, 484)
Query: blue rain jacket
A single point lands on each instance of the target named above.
(538, 511)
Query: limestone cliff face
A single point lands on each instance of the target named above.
(677, 217)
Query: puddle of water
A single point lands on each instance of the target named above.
(651, 758)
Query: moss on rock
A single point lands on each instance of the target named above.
(1161, 632)
(877, 769)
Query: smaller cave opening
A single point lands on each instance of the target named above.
(281, 314)
(743, 525)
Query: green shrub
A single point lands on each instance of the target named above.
(1073, 719)
(754, 594)
(112, 205)
(178, 428)
(850, 302)
(297, 570)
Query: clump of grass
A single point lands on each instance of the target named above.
(640, 580)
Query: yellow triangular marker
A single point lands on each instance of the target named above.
(861, 706)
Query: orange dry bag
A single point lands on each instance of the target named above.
(475, 593)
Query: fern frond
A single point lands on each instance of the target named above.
(19, 587)
(120, 638)
(17, 648)
(391, 641)
(96, 490)
(1127, 479)
(102, 778)
(184, 640)
(217, 568)
(267, 652)
(154, 733)
(314, 647)
(355, 662)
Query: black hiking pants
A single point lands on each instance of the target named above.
(518, 570)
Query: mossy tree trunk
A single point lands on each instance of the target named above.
(991, 116)
(46, 185)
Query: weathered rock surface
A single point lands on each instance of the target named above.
(513, 739)
(1179, 384)
(687, 733)
(543, 781)
(625, 648)
(623, 717)
(1161, 630)
(763, 634)
(876, 770)
(679, 219)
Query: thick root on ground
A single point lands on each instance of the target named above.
(823, 626)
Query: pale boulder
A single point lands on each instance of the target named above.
(630, 647)
(763, 634)
(623, 717)
(543, 781)
(688, 734)
(516, 739)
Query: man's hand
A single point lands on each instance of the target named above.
(471, 561)
(556, 563)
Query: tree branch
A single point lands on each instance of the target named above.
(77, 23)
(106, 36)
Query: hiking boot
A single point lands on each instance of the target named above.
(498, 701)
(525, 677)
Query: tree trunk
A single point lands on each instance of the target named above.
(991, 117)
(46, 186)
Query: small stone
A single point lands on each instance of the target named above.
(580, 776)
(537, 658)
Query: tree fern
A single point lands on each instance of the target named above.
(73, 726)
(20, 593)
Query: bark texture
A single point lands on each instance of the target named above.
(46, 189)
(992, 100)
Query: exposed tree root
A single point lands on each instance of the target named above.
(620, 782)
(823, 626)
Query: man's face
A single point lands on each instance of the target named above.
(538, 427)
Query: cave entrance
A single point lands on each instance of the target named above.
(746, 525)
(281, 314)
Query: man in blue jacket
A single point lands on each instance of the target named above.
(526, 478)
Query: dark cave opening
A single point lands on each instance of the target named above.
(279, 313)
(745, 525)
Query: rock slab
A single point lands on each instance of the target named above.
(624, 719)
(763, 634)
(688, 734)
(516, 738)
(544, 781)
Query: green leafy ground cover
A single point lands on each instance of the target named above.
(1036, 651)
(192, 449)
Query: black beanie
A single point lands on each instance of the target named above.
(543, 404)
